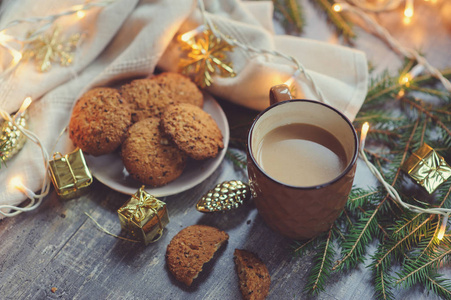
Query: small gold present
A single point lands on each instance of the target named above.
(144, 216)
(427, 168)
(70, 175)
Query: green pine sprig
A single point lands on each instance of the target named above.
(438, 285)
(237, 157)
(323, 261)
(291, 15)
(359, 237)
(337, 20)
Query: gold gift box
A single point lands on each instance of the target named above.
(427, 168)
(144, 216)
(70, 174)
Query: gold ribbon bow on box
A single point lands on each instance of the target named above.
(144, 216)
(427, 168)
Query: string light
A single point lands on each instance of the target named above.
(408, 10)
(25, 104)
(16, 182)
(392, 191)
(298, 66)
(81, 14)
(292, 79)
(442, 230)
(45, 22)
(364, 132)
(394, 44)
(414, 72)
(188, 35)
(337, 7)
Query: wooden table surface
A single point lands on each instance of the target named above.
(58, 246)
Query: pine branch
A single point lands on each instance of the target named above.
(301, 248)
(323, 264)
(405, 242)
(401, 230)
(291, 14)
(427, 113)
(383, 284)
(439, 285)
(336, 19)
(359, 237)
(418, 269)
(237, 157)
(433, 242)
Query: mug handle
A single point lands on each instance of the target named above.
(279, 93)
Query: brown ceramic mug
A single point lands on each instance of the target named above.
(300, 192)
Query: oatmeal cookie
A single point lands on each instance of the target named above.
(191, 248)
(193, 130)
(254, 278)
(99, 121)
(149, 156)
(183, 90)
(147, 98)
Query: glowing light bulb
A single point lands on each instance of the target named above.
(4, 37)
(16, 182)
(17, 56)
(81, 14)
(408, 10)
(290, 80)
(188, 35)
(364, 132)
(337, 7)
(25, 104)
(23, 107)
(405, 79)
(442, 230)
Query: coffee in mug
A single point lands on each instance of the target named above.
(301, 163)
(301, 154)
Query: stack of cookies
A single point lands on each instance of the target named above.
(158, 123)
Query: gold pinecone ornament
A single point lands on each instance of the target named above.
(11, 138)
(224, 196)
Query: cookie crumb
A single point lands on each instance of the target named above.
(54, 289)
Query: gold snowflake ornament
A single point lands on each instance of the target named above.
(206, 56)
(48, 48)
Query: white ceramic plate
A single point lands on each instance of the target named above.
(109, 169)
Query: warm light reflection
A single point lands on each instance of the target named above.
(364, 132)
(16, 182)
(405, 79)
(442, 230)
(24, 105)
(188, 35)
(4, 37)
(408, 10)
(289, 82)
(337, 7)
(17, 56)
(81, 14)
